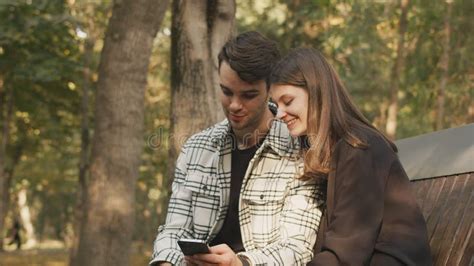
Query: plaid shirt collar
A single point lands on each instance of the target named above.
(278, 138)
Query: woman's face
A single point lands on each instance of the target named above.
(292, 104)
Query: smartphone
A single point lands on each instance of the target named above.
(193, 246)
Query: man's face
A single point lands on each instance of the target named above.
(244, 103)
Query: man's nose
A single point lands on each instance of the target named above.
(235, 104)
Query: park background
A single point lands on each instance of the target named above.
(96, 98)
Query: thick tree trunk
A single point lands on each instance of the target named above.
(118, 137)
(391, 126)
(444, 65)
(84, 157)
(199, 30)
(6, 110)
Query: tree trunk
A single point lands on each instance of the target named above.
(118, 138)
(25, 216)
(5, 180)
(3, 203)
(444, 65)
(470, 112)
(8, 175)
(5, 198)
(84, 157)
(381, 119)
(199, 30)
(391, 127)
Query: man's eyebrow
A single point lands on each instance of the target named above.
(224, 87)
(251, 90)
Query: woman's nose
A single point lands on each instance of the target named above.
(280, 113)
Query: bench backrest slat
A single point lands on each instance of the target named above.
(448, 207)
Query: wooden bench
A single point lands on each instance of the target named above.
(447, 205)
(441, 168)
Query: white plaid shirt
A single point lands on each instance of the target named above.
(279, 214)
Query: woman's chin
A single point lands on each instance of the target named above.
(296, 133)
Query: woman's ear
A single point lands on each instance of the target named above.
(272, 106)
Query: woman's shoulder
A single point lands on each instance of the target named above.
(371, 161)
(374, 144)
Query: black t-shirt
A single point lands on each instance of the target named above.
(230, 232)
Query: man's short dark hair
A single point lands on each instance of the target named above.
(251, 55)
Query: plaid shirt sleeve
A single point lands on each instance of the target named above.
(299, 224)
(178, 220)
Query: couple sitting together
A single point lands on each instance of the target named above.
(255, 186)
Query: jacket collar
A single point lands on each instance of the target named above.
(278, 138)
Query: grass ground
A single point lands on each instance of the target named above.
(50, 258)
(53, 255)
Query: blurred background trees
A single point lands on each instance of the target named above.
(417, 54)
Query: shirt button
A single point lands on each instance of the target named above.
(261, 196)
(204, 187)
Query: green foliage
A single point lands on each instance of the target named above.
(359, 38)
(39, 55)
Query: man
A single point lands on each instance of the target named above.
(235, 184)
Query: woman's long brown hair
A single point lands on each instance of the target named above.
(331, 113)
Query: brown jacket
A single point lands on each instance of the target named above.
(372, 217)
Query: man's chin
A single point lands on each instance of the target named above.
(237, 125)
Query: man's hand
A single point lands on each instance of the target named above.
(219, 255)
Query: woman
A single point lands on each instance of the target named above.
(372, 217)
